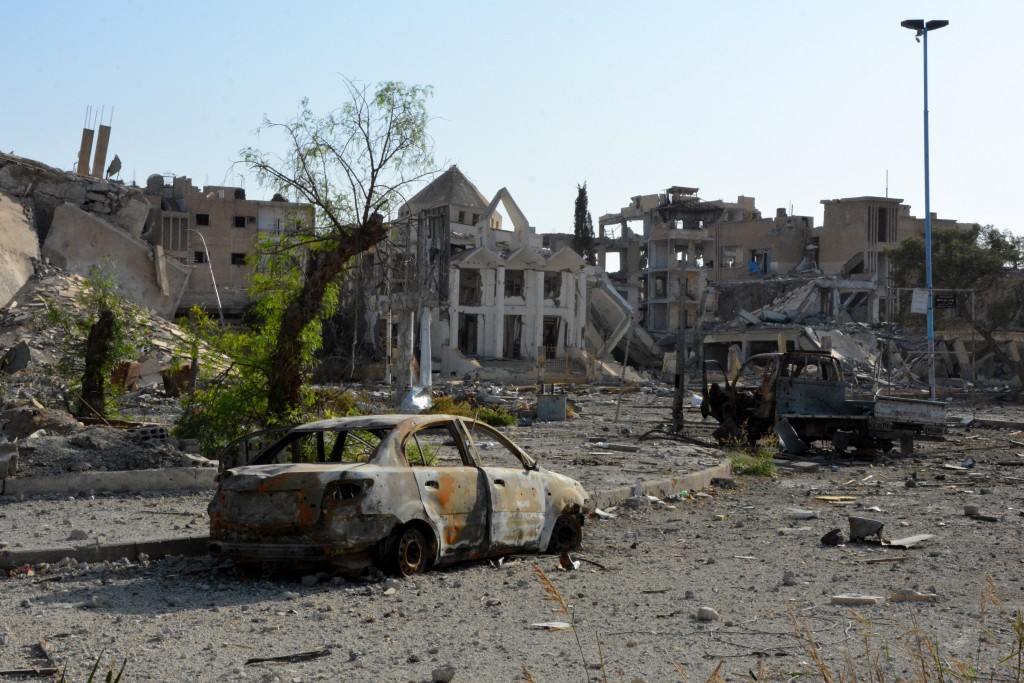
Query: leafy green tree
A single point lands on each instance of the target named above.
(583, 227)
(233, 399)
(95, 334)
(983, 259)
(352, 165)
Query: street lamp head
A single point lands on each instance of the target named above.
(922, 27)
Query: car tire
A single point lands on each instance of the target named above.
(567, 534)
(407, 552)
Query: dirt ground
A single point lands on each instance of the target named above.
(751, 553)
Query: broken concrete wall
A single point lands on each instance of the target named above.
(49, 187)
(79, 240)
(18, 245)
(750, 296)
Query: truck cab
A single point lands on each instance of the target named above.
(801, 396)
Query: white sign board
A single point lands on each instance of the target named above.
(919, 302)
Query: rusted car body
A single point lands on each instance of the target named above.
(402, 492)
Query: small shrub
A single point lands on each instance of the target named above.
(496, 416)
(756, 461)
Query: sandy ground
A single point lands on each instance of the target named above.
(750, 553)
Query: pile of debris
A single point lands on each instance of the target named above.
(23, 327)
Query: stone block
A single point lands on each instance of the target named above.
(132, 217)
(551, 407)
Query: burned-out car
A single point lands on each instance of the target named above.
(398, 491)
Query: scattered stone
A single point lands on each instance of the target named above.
(707, 614)
(914, 596)
(789, 579)
(833, 538)
(78, 535)
(856, 599)
(862, 527)
(310, 580)
(443, 674)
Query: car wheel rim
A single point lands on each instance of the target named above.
(410, 554)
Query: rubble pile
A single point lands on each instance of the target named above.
(53, 441)
(21, 323)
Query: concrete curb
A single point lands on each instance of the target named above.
(661, 488)
(109, 552)
(166, 479)
(197, 545)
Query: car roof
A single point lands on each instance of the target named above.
(369, 422)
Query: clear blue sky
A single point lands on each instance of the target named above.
(788, 102)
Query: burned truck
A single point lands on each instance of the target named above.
(800, 396)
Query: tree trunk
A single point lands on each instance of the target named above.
(97, 350)
(286, 371)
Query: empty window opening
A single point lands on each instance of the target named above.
(238, 259)
(515, 281)
(512, 348)
(202, 219)
(470, 287)
(553, 286)
(468, 333)
(199, 257)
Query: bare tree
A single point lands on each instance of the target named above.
(352, 165)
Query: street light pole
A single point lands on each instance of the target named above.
(216, 292)
(922, 28)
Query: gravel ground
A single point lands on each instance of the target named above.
(750, 553)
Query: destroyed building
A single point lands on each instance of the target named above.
(483, 298)
(168, 246)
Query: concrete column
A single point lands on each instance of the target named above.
(453, 295)
(486, 341)
(534, 320)
(632, 265)
(102, 141)
(426, 355)
(84, 151)
(581, 312)
(499, 313)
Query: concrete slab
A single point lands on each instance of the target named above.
(18, 245)
(79, 240)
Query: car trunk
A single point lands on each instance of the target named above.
(272, 500)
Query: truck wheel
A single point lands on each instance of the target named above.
(906, 445)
